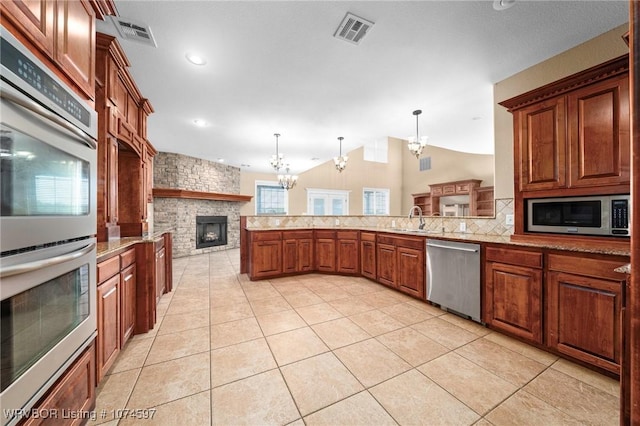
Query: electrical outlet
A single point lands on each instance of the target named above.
(277, 222)
(337, 222)
(508, 219)
(463, 227)
(393, 223)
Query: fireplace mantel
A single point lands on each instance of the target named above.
(199, 195)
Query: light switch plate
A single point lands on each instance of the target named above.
(463, 227)
(508, 219)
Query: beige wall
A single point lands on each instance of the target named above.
(446, 166)
(401, 175)
(593, 52)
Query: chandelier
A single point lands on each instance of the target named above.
(341, 160)
(287, 181)
(416, 144)
(277, 159)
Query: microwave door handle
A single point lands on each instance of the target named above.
(38, 264)
(43, 112)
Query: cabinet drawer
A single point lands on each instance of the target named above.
(296, 235)
(266, 236)
(108, 268)
(367, 236)
(127, 258)
(462, 188)
(448, 189)
(581, 265)
(514, 257)
(436, 190)
(325, 234)
(414, 243)
(347, 235)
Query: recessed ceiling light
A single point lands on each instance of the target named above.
(220, 160)
(195, 59)
(503, 4)
(315, 159)
(245, 165)
(199, 122)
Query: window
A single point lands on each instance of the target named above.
(321, 202)
(271, 198)
(375, 201)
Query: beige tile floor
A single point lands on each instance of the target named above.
(328, 350)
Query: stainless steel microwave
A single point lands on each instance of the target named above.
(606, 215)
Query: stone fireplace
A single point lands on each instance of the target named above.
(211, 231)
(186, 188)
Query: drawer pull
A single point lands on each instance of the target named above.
(128, 277)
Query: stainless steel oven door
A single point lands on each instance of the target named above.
(48, 317)
(48, 176)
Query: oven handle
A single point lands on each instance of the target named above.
(45, 113)
(38, 264)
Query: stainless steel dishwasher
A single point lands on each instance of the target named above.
(453, 276)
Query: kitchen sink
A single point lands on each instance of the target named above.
(416, 230)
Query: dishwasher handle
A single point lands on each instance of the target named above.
(430, 244)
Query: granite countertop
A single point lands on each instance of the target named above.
(107, 247)
(468, 237)
(625, 269)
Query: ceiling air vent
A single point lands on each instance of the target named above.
(129, 29)
(353, 28)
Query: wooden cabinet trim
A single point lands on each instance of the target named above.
(108, 268)
(510, 256)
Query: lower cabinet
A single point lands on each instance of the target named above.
(584, 298)
(347, 256)
(108, 294)
(297, 247)
(368, 254)
(127, 296)
(266, 254)
(513, 292)
(74, 392)
(161, 276)
(401, 264)
(325, 251)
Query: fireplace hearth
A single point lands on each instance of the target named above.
(211, 231)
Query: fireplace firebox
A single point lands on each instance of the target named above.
(211, 231)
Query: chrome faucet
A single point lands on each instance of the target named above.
(421, 225)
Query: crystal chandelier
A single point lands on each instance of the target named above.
(277, 159)
(416, 144)
(341, 160)
(287, 181)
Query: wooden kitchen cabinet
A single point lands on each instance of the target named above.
(297, 249)
(513, 298)
(401, 263)
(161, 276)
(368, 254)
(61, 33)
(423, 200)
(348, 250)
(485, 203)
(73, 393)
(266, 254)
(325, 250)
(108, 340)
(584, 298)
(127, 301)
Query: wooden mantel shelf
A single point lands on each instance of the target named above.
(198, 195)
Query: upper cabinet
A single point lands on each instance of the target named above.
(125, 156)
(59, 32)
(571, 137)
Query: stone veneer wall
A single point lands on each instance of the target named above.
(179, 171)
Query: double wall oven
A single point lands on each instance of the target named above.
(48, 186)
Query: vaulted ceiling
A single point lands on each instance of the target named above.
(276, 67)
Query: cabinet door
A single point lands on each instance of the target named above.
(583, 318)
(127, 303)
(160, 273)
(599, 134)
(75, 43)
(540, 145)
(348, 256)
(266, 258)
(289, 256)
(411, 271)
(513, 300)
(368, 259)
(305, 254)
(35, 19)
(108, 341)
(386, 264)
(326, 254)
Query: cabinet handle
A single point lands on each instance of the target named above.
(107, 294)
(128, 277)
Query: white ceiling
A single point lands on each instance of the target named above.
(274, 66)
